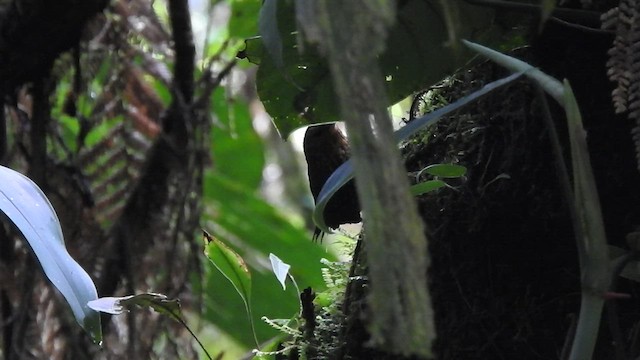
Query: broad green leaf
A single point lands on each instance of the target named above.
(22, 201)
(223, 308)
(243, 216)
(426, 186)
(242, 23)
(239, 216)
(344, 173)
(231, 265)
(446, 170)
(280, 269)
(237, 149)
(302, 86)
(269, 32)
(418, 54)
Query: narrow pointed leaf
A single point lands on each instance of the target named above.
(592, 244)
(426, 186)
(230, 264)
(446, 170)
(22, 201)
(595, 264)
(551, 85)
(591, 237)
(344, 173)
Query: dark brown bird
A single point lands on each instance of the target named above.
(326, 148)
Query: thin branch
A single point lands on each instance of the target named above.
(184, 48)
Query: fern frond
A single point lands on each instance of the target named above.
(112, 166)
(623, 66)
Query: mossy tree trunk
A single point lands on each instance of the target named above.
(352, 34)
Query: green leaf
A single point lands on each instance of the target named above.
(231, 265)
(244, 216)
(22, 201)
(427, 186)
(418, 53)
(269, 32)
(242, 23)
(237, 149)
(446, 170)
(344, 173)
(239, 216)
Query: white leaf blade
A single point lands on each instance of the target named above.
(22, 201)
(280, 269)
(110, 305)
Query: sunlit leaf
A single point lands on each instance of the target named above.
(280, 269)
(242, 23)
(22, 201)
(238, 215)
(237, 150)
(245, 216)
(230, 264)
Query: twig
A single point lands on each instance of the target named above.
(202, 100)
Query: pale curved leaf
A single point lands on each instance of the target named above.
(22, 201)
(280, 269)
(550, 84)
